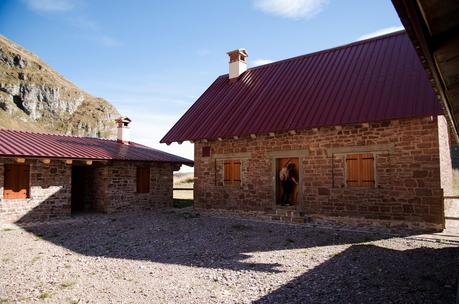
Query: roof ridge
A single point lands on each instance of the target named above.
(54, 134)
(343, 46)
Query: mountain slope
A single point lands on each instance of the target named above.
(35, 97)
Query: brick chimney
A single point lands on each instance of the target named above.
(237, 63)
(123, 130)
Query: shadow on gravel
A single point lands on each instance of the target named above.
(185, 239)
(371, 274)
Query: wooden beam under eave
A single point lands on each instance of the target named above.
(46, 161)
(236, 137)
(20, 160)
(88, 162)
(292, 132)
(253, 136)
(315, 130)
(365, 125)
(338, 128)
(272, 134)
(220, 139)
(68, 161)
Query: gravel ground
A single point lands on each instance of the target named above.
(179, 257)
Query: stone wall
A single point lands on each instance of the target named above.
(407, 170)
(446, 172)
(113, 190)
(50, 193)
(120, 191)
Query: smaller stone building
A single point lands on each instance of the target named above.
(45, 176)
(360, 122)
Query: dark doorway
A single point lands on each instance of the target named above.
(280, 163)
(82, 189)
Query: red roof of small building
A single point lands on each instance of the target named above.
(39, 145)
(366, 81)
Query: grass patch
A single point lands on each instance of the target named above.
(6, 260)
(182, 203)
(289, 242)
(35, 258)
(44, 295)
(7, 229)
(189, 215)
(68, 284)
(241, 227)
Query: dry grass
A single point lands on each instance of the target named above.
(455, 181)
(183, 180)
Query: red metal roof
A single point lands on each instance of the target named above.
(40, 145)
(371, 80)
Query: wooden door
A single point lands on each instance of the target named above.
(281, 162)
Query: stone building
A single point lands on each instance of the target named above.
(45, 176)
(360, 122)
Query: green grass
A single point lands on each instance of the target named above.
(7, 229)
(182, 203)
(68, 284)
(44, 295)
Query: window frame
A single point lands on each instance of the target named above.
(143, 179)
(8, 191)
(232, 181)
(360, 157)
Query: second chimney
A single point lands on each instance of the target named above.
(123, 130)
(237, 63)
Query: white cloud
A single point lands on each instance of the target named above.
(50, 5)
(380, 32)
(292, 8)
(258, 62)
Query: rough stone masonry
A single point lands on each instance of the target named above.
(412, 172)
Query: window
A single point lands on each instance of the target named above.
(232, 171)
(205, 151)
(143, 179)
(16, 183)
(360, 170)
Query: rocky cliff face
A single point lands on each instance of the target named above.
(35, 97)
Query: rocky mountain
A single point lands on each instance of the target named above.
(35, 97)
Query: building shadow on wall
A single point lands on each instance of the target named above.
(372, 274)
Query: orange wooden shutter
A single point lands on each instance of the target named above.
(352, 170)
(227, 171)
(367, 178)
(236, 171)
(232, 171)
(143, 179)
(360, 170)
(146, 179)
(16, 181)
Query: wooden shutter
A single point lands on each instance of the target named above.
(227, 171)
(16, 181)
(360, 170)
(232, 171)
(143, 179)
(367, 176)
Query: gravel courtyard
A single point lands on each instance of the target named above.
(179, 257)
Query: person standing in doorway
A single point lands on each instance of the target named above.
(287, 183)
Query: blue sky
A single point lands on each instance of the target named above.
(153, 59)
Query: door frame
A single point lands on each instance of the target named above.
(274, 156)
